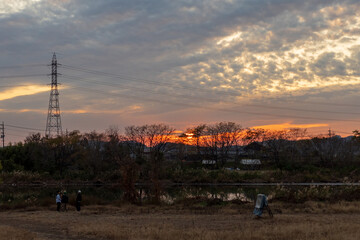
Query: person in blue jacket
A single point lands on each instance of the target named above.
(58, 201)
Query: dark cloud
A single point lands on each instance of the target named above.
(327, 65)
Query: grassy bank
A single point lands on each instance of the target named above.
(309, 220)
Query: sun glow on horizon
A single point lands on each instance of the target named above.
(289, 125)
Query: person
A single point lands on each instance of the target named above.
(64, 200)
(78, 200)
(58, 201)
(261, 204)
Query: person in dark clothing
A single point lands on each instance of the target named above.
(78, 200)
(64, 200)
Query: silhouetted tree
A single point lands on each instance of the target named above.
(220, 138)
(149, 143)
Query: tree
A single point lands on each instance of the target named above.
(93, 143)
(221, 138)
(12, 157)
(252, 135)
(135, 140)
(114, 151)
(356, 135)
(197, 134)
(33, 145)
(329, 148)
(193, 139)
(282, 145)
(149, 143)
(295, 145)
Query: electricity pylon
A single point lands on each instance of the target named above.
(53, 123)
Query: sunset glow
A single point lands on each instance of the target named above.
(22, 91)
(289, 126)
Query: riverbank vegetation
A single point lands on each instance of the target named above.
(192, 197)
(155, 155)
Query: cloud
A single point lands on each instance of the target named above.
(23, 111)
(327, 65)
(10, 7)
(289, 125)
(22, 91)
(126, 110)
(204, 53)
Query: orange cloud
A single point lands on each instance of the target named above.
(22, 91)
(290, 125)
(22, 110)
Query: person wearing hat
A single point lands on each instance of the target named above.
(78, 200)
(64, 200)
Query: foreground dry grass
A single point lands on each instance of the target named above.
(302, 221)
(8, 232)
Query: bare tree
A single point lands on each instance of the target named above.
(220, 138)
(284, 146)
(150, 142)
(135, 139)
(295, 144)
(275, 141)
(193, 138)
(329, 148)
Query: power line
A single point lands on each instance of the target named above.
(22, 66)
(213, 108)
(23, 76)
(15, 135)
(20, 130)
(202, 98)
(135, 88)
(152, 82)
(22, 127)
(16, 85)
(187, 96)
(326, 104)
(130, 78)
(197, 98)
(341, 132)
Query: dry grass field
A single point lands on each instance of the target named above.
(311, 220)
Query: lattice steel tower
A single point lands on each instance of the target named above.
(53, 123)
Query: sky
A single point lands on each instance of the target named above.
(260, 63)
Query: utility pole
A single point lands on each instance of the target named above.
(331, 134)
(3, 134)
(53, 123)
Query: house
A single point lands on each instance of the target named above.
(208, 162)
(250, 164)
